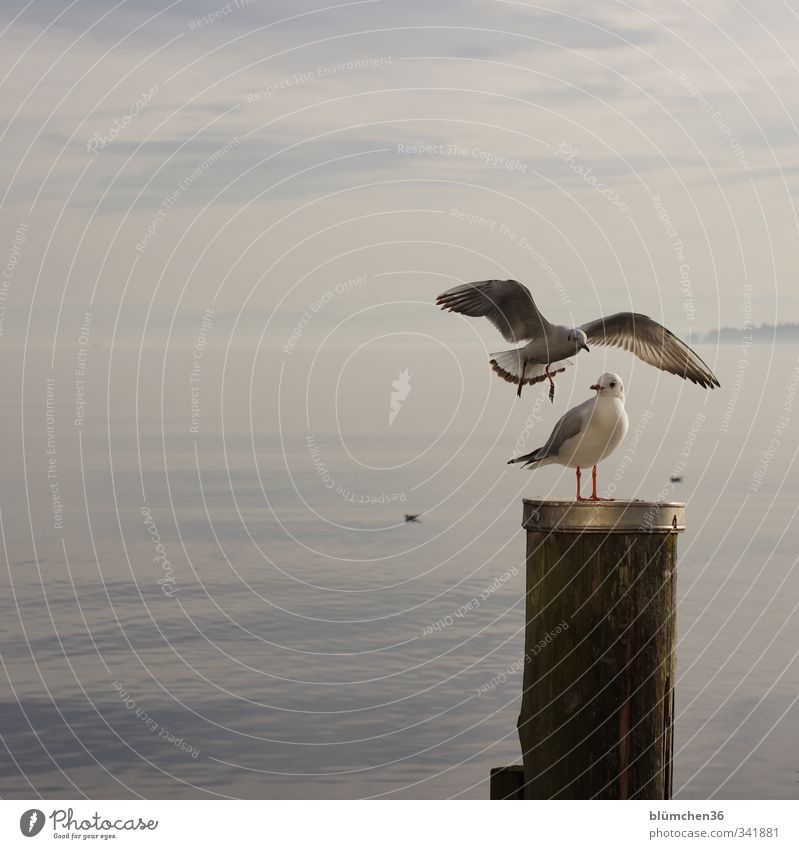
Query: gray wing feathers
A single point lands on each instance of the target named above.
(652, 343)
(507, 304)
(568, 426)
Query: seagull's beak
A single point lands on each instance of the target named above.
(585, 347)
(596, 386)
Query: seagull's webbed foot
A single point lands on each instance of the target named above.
(551, 386)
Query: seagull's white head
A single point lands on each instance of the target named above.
(578, 338)
(609, 385)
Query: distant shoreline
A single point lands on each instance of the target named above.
(763, 334)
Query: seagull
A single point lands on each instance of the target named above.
(586, 434)
(509, 306)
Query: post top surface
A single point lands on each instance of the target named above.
(557, 514)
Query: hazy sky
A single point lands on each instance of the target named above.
(224, 226)
(164, 159)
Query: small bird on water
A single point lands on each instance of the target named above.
(586, 434)
(510, 307)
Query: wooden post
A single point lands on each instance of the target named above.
(597, 709)
(507, 782)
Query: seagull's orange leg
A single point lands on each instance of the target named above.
(551, 385)
(594, 496)
(579, 497)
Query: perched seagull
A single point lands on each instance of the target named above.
(586, 434)
(509, 306)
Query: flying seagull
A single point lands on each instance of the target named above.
(509, 306)
(586, 434)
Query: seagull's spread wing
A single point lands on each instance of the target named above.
(652, 343)
(507, 304)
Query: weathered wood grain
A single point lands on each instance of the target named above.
(598, 694)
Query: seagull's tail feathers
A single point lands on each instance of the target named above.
(531, 459)
(508, 365)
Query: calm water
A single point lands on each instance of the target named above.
(302, 646)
